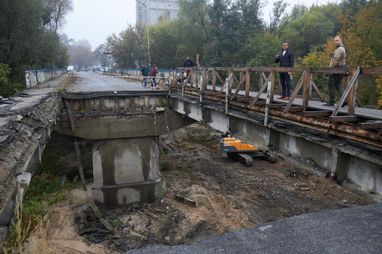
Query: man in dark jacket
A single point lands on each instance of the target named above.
(145, 72)
(188, 63)
(286, 59)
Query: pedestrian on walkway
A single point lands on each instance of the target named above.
(145, 72)
(286, 59)
(337, 60)
(188, 63)
(153, 73)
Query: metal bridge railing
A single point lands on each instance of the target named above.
(248, 88)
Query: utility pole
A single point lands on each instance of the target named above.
(147, 27)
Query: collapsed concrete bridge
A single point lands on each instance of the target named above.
(123, 126)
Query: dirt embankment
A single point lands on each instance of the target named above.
(205, 195)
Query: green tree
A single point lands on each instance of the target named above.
(164, 44)
(26, 40)
(307, 32)
(217, 14)
(363, 35)
(191, 30)
(128, 49)
(262, 49)
(6, 86)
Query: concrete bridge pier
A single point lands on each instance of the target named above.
(124, 130)
(126, 171)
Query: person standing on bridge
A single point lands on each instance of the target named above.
(188, 63)
(145, 72)
(337, 59)
(286, 59)
(153, 73)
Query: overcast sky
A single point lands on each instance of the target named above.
(94, 20)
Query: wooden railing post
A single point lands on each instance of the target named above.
(230, 82)
(202, 85)
(192, 77)
(247, 82)
(260, 80)
(272, 92)
(214, 79)
(227, 86)
(351, 85)
(306, 85)
(352, 93)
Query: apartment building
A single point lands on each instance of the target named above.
(150, 12)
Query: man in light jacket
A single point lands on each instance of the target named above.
(338, 59)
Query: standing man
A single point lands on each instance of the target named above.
(337, 59)
(286, 59)
(188, 63)
(145, 72)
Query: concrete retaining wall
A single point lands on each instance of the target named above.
(359, 164)
(35, 77)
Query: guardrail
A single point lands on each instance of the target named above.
(240, 79)
(254, 89)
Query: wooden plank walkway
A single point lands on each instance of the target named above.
(369, 113)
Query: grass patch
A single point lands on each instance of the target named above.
(46, 190)
(66, 83)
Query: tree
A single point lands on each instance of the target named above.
(307, 32)
(25, 38)
(127, 49)
(279, 8)
(249, 14)
(216, 13)
(164, 44)
(363, 35)
(262, 49)
(191, 30)
(379, 91)
(54, 13)
(100, 55)
(21, 32)
(81, 54)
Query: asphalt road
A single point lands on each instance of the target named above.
(97, 82)
(340, 231)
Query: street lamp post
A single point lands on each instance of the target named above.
(148, 31)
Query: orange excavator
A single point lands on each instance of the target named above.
(243, 152)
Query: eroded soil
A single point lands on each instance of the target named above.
(205, 195)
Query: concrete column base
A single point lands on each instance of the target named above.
(126, 171)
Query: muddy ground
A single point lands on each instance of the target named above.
(205, 195)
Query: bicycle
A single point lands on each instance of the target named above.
(148, 82)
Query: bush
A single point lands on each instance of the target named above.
(7, 87)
